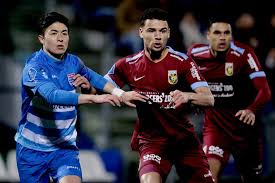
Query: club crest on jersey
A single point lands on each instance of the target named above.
(70, 78)
(172, 77)
(229, 69)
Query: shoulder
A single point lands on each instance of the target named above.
(239, 48)
(131, 59)
(36, 60)
(73, 59)
(199, 51)
(180, 56)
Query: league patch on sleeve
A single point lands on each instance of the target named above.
(32, 74)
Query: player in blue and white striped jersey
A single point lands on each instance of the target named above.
(46, 136)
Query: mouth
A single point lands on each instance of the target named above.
(61, 47)
(222, 46)
(157, 45)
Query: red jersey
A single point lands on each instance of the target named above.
(157, 80)
(229, 78)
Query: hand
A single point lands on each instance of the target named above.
(178, 98)
(129, 96)
(86, 87)
(246, 116)
(106, 98)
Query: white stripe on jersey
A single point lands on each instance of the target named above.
(55, 124)
(175, 56)
(184, 56)
(46, 141)
(134, 57)
(199, 49)
(201, 53)
(236, 48)
(252, 62)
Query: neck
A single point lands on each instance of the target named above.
(156, 56)
(218, 54)
(58, 57)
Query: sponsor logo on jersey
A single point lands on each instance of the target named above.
(229, 69)
(70, 78)
(152, 157)
(252, 62)
(172, 77)
(215, 150)
(138, 78)
(194, 71)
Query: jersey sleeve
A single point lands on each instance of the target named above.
(252, 65)
(116, 75)
(192, 74)
(97, 80)
(36, 79)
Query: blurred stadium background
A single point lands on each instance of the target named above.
(101, 32)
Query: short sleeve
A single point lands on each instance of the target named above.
(192, 74)
(116, 73)
(252, 66)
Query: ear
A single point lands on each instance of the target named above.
(168, 33)
(41, 39)
(140, 32)
(207, 35)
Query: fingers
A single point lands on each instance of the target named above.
(81, 81)
(246, 116)
(130, 104)
(114, 100)
(178, 98)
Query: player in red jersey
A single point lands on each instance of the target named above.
(163, 134)
(240, 88)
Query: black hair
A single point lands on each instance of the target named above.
(153, 13)
(218, 18)
(48, 19)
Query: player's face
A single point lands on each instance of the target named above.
(219, 36)
(55, 39)
(155, 34)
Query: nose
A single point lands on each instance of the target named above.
(60, 38)
(157, 35)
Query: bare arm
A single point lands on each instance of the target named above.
(202, 96)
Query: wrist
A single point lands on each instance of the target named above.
(117, 92)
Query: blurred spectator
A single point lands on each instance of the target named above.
(270, 68)
(190, 29)
(246, 30)
(127, 23)
(6, 42)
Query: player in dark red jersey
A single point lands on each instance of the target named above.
(240, 88)
(163, 134)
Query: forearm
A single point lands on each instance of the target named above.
(202, 99)
(56, 96)
(263, 95)
(109, 88)
(86, 99)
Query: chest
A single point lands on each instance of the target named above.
(155, 76)
(214, 70)
(63, 77)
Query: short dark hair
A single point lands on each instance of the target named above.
(218, 18)
(153, 13)
(48, 19)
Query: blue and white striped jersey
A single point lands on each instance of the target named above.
(49, 101)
